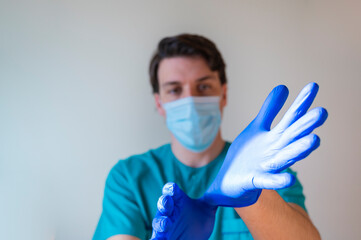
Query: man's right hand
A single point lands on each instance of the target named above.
(257, 156)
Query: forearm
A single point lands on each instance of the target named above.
(272, 218)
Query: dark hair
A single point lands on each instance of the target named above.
(187, 45)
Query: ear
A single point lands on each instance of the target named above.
(223, 101)
(158, 104)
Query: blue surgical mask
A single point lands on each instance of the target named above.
(194, 121)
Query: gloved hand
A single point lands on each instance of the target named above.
(180, 217)
(258, 155)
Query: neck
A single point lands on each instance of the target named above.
(194, 159)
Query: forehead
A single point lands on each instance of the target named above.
(183, 68)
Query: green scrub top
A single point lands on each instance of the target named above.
(134, 185)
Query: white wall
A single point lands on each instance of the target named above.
(75, 98)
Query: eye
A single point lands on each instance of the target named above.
(174, 90)
(204, 87)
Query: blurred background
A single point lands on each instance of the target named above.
(75, 99)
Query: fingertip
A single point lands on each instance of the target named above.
(169, 188)
(309, 91)
(271, 106)
(274, 181)
(290, 180)
(172, 189)
(321, 112)
(315, 141)
(281, 90)
(312, 86)
(161, 224)
(165, 205)
(284, 180)
(310, 143)
(281, 86)
(324, 114)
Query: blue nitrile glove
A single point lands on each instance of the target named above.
(180, 217)
(255, 159)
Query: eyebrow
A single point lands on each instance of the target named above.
(208, 77)
(170, 83)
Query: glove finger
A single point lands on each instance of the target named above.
(172, 189)
(271, 106)
(299, 107)
(165, 205)
(158, 236)
(304, 126)
(161, 224)
(178, 196)
(294, 152)
(273, 181)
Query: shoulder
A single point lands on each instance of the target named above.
(140, 164)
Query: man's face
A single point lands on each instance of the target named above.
(181, 77)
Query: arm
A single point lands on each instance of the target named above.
(280, 220)
(121, 216)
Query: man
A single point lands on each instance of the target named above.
(218, 190)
